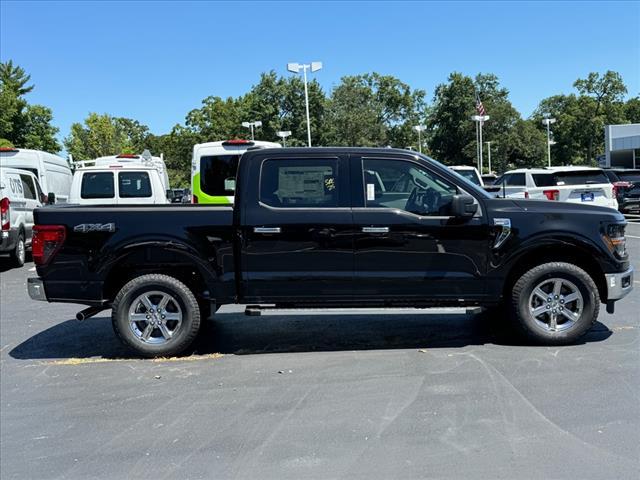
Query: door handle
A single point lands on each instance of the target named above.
(375, 229)
(266, 229)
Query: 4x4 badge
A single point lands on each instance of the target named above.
(95, 227)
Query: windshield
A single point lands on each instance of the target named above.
(218, 174)
(632, 176)
(584, 177)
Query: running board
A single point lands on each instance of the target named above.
(257, 310)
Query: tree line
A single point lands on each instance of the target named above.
(362, 110)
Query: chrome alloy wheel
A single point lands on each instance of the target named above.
(155, 317)
(556, 304)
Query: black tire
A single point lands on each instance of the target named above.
(568, 331)
(183, 303)
(19, 253)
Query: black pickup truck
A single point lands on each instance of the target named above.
(333, 227)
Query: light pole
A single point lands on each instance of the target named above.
(283, 135)
(251, 126)
(295, 68)
(480, 119)
(419, 129)
(489, 152)
(548, 121)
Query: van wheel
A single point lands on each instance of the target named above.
(18, 254)
(157, 315)
(555, 303)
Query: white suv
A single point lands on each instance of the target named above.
(564, 184)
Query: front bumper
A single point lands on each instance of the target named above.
(619, 284)
(35, 287)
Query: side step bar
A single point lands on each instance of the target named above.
(257, 310)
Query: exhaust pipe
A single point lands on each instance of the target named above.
(89, 312)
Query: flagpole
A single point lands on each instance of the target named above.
(480, 143)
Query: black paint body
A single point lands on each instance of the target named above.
(321, 256)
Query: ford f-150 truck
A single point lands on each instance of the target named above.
(334, 227)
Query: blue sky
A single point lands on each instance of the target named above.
(155, 61)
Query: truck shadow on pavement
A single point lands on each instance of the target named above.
(235, 333)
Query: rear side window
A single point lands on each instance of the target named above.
(134, 185)
(515, 179)
(310, 183)
(28, 187)
(97, 185)
(544, 179)
(218, 174)
(584, 177)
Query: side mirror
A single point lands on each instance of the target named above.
(51, 198)
(463, 206)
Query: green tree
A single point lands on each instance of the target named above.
(24, 125)
(632, 110)
(373, 110)
(102, 135)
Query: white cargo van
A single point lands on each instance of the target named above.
(20, 194)
(214, 166)
(117, 184)
(145, 160)
(53, 172)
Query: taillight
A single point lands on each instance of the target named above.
(46, 241)
(618, 186)
(551, 194)
(194, 199)
(5, 213)
(526, 194)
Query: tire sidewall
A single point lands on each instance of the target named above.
(18, 260)
(590, 304)
(178, 342)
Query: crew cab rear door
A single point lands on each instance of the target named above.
(408, 247)
(296, 229)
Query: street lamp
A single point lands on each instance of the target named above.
(489, 152)
(252, 125)
(548, 121)
(419, 129)
(479, 119)
(283, 135)
(295, 68)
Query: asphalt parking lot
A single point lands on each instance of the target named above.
(317, 395)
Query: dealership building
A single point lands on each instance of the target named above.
(621, 145)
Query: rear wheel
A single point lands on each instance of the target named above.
(19, 253)
(156, 315)
(555, 303)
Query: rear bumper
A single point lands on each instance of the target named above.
(35, 287)
(630, 204)
(619, 284)
(8, 240)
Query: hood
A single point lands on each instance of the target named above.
(548, 206)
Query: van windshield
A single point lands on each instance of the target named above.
(218, 174)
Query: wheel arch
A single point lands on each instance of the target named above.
(578, 255)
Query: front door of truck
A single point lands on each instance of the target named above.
(297, 235)
(408, 246)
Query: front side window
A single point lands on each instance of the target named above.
(406, 186)
(28, 187)
(310, 183)
(134, 185)
(97, 185)
(218, 174)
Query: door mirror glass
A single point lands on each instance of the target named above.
(463, 206)
(51, 198)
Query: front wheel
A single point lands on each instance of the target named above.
(555, 303)
(157, 315)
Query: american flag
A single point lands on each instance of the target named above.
(479, 107)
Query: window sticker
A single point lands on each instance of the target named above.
(371, 191)
(230, 184)
(304, 182)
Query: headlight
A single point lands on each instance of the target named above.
(615, 240)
